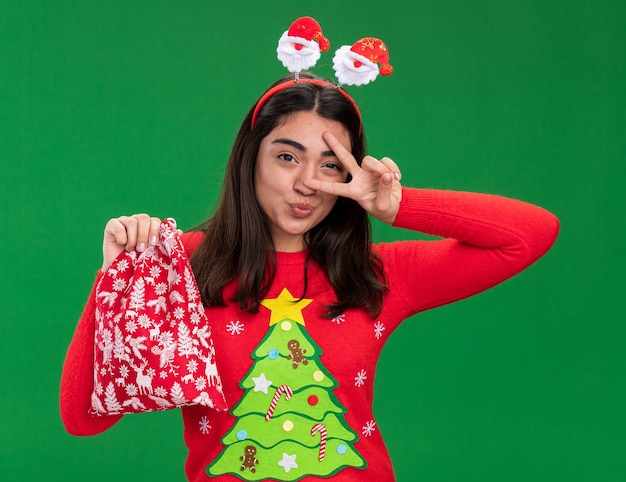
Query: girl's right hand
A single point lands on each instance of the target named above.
(128, 232)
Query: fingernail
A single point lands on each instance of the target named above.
(141, 247)
(153, 240)
(398, 176)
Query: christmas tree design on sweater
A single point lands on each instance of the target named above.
(289, 422)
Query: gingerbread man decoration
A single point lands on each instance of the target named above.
(249, 459)
(297, 354)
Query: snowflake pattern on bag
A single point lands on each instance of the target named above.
(153, 343)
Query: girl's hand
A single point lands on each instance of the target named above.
(375, 185)
(129, 232)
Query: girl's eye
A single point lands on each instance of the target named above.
(286, 157)
(332, 165)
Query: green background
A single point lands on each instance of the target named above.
(116, 107)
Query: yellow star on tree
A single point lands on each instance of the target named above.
(286, 306)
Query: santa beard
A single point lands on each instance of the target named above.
(348, 73)
(297, 60)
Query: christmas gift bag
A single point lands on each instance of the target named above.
(153, 343)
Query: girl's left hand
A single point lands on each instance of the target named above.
(375, 184)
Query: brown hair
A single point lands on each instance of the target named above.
(237, 242)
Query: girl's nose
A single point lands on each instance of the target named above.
(306, 173)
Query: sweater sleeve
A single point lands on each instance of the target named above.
(485, 239)
(77, 377)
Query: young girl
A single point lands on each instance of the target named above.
(300, 301)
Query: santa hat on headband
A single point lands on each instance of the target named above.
(299, 47)
(357, 64)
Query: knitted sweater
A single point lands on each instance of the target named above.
(300, 386)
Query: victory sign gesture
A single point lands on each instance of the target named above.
(375, 184)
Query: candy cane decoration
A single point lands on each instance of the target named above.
(321, 428)
(279, 391)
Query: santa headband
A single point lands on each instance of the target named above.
(299, 49)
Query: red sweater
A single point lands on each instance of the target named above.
(303, 411)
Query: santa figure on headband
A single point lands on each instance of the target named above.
(299, 47)
(357, 64)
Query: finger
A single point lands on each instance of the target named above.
(130, 223)
(383, 198)
(115, 231)
(393, 167)
(144, 223)
(342, 154)
(155, 224)
(336, 188)
(115, 238)
(374, 165)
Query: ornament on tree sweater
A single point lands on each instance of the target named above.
(290, 424)
(153, 343)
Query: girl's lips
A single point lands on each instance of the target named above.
(301, 210)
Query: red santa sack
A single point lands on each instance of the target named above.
(153, 344)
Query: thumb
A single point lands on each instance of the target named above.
(383, 199)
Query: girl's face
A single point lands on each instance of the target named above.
(292, 152)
